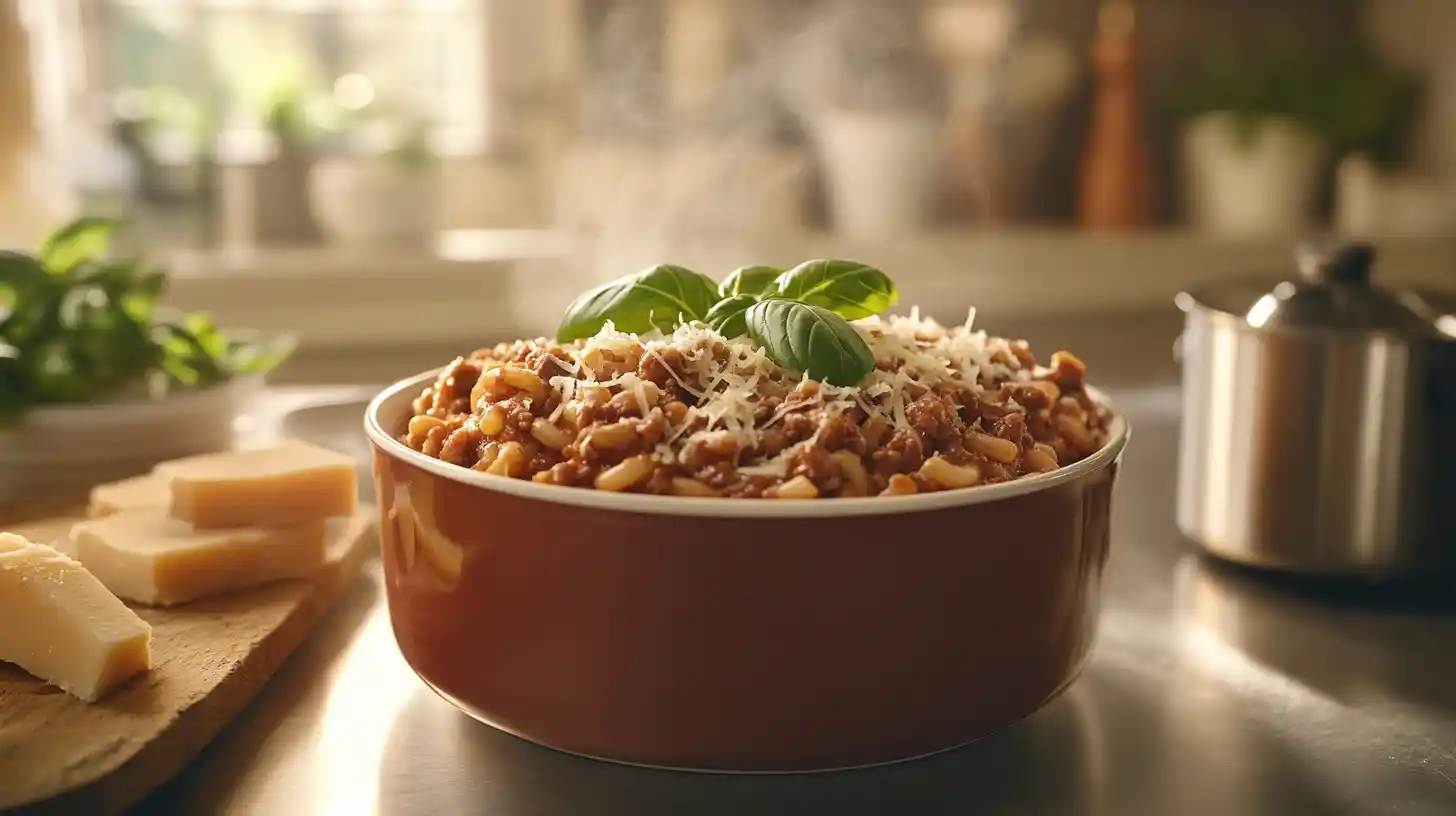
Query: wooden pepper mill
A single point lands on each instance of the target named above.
(1116, 177)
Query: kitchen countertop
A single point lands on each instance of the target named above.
(1211, 691)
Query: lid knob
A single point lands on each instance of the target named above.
(1335, 262)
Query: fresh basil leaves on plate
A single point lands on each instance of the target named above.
(76, 327)
(800, 317)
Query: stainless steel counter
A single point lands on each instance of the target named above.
(1211, 691)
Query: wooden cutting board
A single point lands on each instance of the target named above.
(209, 657)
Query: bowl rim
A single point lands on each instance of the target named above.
(647, 504)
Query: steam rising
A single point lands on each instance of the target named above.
(688, 166)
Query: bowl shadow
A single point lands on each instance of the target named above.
(497, 772)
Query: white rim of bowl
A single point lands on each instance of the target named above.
(647, 504)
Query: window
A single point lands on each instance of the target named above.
(195, 68)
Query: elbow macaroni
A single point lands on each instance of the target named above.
(613, 417)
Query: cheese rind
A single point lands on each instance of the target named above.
(292, 482)
(148, 557)
(58, 622)
(128, 494)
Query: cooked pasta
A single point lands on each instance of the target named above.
(697, 414)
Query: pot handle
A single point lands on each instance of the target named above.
(1443, 383)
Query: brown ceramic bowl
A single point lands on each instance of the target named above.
(739, 634)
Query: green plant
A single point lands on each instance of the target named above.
(800, 317)
(1351, 100)
(76, 328)
(287, 117)
(1373, 108)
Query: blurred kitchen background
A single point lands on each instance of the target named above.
(401, 180)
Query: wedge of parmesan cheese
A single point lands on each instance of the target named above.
(58, 622)
(128, 494)
(148, 557)
(290, 483)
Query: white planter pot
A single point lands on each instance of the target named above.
(1256, 187)
(881, 170)
(1373, 204)
(374, 202)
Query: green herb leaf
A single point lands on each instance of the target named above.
(661, 297)
(749, 280)
(21, 277)
(727, 317)
(805, 338)
(76, 328)
(20, 271)
(850, 289)
(77, 242)
(261, 354)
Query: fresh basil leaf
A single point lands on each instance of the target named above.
(805, 338)
(187, 357)
(726, 318)
(79, 304)
(200, 325)
(850, 289)
(141, 297)
(749, 280)
(81, 240)
(20, 276)
(259, 355)
(57, 377)
(661, 297)
(20, 271)
(76, 328)
(15, 390)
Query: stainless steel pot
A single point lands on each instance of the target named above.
(1319, 421)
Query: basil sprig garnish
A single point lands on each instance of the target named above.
(726, 318)
(750, 280)
(850, 289)
(662, 297)
(800, 317)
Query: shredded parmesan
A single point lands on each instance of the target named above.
(730, 378)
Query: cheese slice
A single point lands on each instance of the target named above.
(289, 483)
(128, 494)
(148, 557)
(60, 624)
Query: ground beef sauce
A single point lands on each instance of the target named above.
(697, 414)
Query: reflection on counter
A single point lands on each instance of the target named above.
(1360, 644)
(1065, 743)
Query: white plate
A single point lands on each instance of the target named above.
(77, 446)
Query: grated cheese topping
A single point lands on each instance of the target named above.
(912, 354)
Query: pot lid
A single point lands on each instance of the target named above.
(1332, 291)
